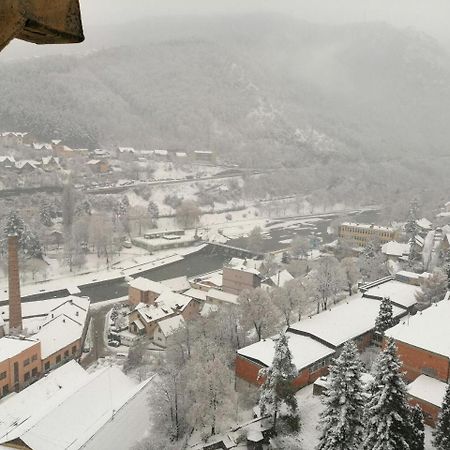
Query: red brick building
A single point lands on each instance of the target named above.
(309, 356)
(428, 393)
(423, 343)
(314, 341)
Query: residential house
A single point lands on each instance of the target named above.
(42, 146)
(165, 328)
(50, 163)
(99, 165)
(145, 317)
(7, 162)
(143, 290)
(27, 166)
(63, 151)
(123, 151)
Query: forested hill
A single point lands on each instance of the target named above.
(283, 89)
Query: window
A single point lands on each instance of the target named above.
(74, 349)
(47, 366)
(66, 354)
(26, 362)
(26, 376)
(34, 358)
(2, 375)
(58, 359)
(34, 372)
(5, 390)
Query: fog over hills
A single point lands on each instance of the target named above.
(284, 88)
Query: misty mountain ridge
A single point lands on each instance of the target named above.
(285, 90)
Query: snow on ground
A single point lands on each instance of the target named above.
(127, 267)
(310, 408)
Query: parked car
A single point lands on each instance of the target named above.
(127, 244)
(114, 343)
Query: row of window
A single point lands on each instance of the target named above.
(368, 231)
(27, 361)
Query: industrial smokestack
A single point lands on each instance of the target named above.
(15, 307)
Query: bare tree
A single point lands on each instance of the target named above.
(300, 247)
(211, 386)
(258, 312)
(326, 281)
(255, 240)
(351, 271)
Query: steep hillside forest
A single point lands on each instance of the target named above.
(341, 111)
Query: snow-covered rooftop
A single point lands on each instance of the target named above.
(152, 313)
(58, 333)
(178, 284)
(305, 351)
(144, 284)
(169, 299)
(367, 226)
(21, 411)
(281, 278)
(196, 293)
(428, 389)
(76, 418)
(428, 329)
(394, 248)
(170, 325)
(424, 223)
(10, 346)
(215, 294)
(344, 321)
(402, 294)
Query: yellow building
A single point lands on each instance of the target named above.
(361, 233)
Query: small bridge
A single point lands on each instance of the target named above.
(236, 251)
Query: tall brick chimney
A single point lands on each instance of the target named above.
(15, 307)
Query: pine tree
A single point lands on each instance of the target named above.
(14, 225)
(417, 441)
(385, 318)
(388, 416)
(29, 243)
(277, 389)
(442, 433)
(341, 421)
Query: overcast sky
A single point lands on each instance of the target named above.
(431, 16)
